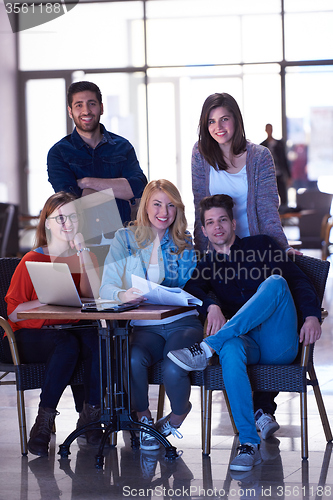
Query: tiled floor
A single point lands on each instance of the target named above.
(131, 473)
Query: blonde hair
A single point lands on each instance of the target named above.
(141, 227)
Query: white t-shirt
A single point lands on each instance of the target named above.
(235, 185)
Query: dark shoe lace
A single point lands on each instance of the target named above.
(195, 349)
(246, 449)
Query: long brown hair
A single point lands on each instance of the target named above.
(55, 201)
(208, 147)
(177, 230)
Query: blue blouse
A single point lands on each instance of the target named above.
(126, 258)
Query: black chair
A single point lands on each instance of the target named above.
(27, 376)
(312, 226)
(9, 239)
(282, 378)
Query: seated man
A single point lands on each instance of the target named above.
(250, 278)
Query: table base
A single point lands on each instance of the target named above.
(115, 403)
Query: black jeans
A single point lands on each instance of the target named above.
(150, 344)
(60, 350)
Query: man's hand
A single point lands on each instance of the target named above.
(215, 319)
(310, 331)
(121, 187)
(87, 183)
(293, 251)
(87, 191)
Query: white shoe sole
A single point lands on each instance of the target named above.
(245, 468)
(183, 365)
(150, 448)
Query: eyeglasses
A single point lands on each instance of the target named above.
(62, 219)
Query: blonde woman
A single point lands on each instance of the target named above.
(157, 247)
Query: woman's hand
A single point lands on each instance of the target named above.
(25, 306)
(89, 281)
(215, 319)
(77, 242)
(132, 295)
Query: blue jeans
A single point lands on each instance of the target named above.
(263, 331)
(150, 344)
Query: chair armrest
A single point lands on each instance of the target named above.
(324, 314)
(306, 348)
(305, 353)
(12, 341)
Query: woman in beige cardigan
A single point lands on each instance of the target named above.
(224, 162)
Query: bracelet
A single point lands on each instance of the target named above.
(82, 250)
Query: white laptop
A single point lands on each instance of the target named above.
(54, 284)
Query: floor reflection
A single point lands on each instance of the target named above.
(135, 473)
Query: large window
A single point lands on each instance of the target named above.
(308, 30)
(310, 124)
(187, 32)
(157, 60)
(98, 35)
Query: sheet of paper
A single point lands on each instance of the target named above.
(163, 295)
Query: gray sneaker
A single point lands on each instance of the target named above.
(248, 456)
(190, 359)
(266, 424)
(148, 441)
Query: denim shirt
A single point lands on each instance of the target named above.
(126, 258)
(114, 157)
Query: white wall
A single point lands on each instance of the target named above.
(9, 146)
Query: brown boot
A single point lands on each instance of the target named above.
(91, 414)
(40, 433)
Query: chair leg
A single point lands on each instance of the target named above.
(320, 404)
(230, 412)
(206, 422)
(304, 426)
(207, 478)
(22, 422)
(160, 403)
(113, 439)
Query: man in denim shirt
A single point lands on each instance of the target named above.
(91, 158)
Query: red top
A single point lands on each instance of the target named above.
(21, 288)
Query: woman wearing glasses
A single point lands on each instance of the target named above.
(44, 341)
